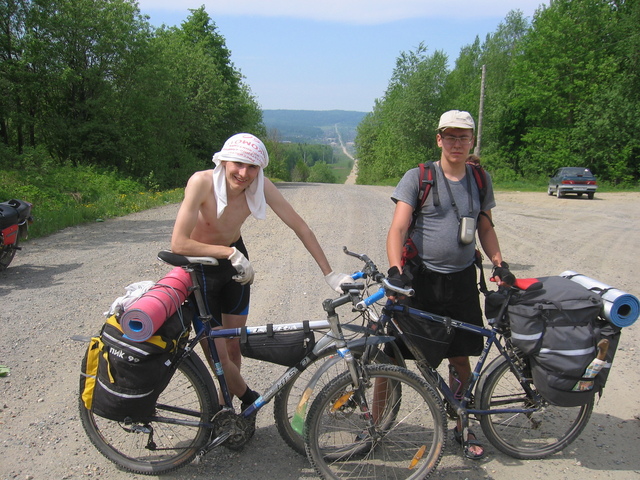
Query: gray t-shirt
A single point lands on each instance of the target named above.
(436, 230)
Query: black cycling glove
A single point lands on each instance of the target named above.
(502, 271)
(397, 279)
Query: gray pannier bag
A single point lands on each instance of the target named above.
(558, 328)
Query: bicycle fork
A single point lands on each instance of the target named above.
(355, 398)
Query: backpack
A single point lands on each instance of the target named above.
(427, 181)
(558, 328)
(121, 378)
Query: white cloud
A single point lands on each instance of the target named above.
(367, 12)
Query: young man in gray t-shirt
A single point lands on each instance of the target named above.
(444, 275)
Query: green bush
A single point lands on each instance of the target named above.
(64, 196)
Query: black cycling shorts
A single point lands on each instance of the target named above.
(453, 295)
(222, 294)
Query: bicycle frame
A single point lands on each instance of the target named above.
(432, 375)
(333, 338)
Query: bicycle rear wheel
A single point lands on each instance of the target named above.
(167, 442)
(409, 433)
(532, 435)
(292, 401)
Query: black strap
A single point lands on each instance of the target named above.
(453, 201)
(243, 335)
(486, 215)
(482, 283)
(270, 330)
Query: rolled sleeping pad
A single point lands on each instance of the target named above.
(620, 308)
(147, 314)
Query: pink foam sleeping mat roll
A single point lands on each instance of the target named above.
(147, 314)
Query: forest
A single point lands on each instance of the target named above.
(91, 86)
(560, 90)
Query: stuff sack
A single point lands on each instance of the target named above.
(557, 327)
(610, 332)
(421, 337)
(123, 379)
(282, 348)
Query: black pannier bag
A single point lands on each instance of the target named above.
(558, 328)
(282, 348)
(122, 379)
(430, 338)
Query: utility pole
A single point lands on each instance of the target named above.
(476, 151)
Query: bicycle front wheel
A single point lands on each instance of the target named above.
(166, 443)
(526, 435)
(292, 401)
(391, 426)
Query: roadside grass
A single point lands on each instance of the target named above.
(64, 196)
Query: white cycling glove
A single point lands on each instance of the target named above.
(334, 280)
(242, 266)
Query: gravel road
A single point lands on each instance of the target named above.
(60, 285)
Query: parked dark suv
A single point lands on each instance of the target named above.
(577, 180)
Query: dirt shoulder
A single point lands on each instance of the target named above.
(60, 285)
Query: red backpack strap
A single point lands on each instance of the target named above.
(426, 182)
(480, 177)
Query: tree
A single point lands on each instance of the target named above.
(79, 53)
(320, 172)
(400, 132)
(14, 115)
(567, 60)
(89, 82)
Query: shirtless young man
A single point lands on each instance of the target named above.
(216, 204)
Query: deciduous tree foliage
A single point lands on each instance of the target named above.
(89, 82)
(562, 90)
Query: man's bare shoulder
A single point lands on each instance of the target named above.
(202, 177)
(199, 186)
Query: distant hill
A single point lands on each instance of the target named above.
(312, 126)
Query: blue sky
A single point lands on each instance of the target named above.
(335, 54)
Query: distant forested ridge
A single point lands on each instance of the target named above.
(312, 126)
(561, 90)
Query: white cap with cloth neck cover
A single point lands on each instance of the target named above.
(456, 119)
(243, 148)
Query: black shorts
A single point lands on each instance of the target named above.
(222, 294)
(453, 295)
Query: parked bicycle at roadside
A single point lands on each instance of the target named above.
(188, 420)
(372, 428)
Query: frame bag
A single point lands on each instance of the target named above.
(122, 379)
(427, 338)
(558, 328)
(283, 348)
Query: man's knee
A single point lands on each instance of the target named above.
(233, 350)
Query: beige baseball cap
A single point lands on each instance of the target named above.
(456, 119)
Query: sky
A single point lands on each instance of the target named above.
(335, 54)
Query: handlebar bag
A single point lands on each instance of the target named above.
(122, 379)
(282, 348)
(557, 327)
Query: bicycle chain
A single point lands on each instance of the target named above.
(241, 429)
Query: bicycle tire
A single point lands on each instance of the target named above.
(526, 435)
(156, 447)
(288, 400)
(408, 442)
